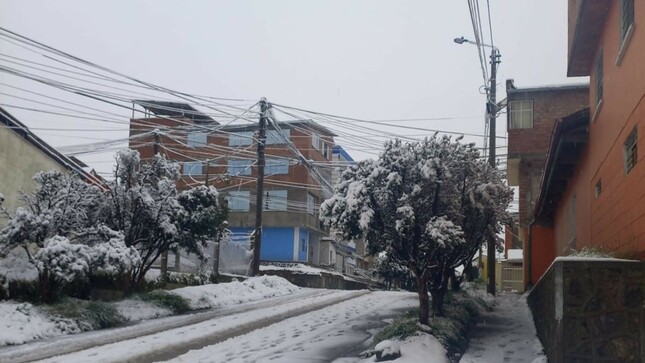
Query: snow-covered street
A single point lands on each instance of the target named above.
(311, 329)
(507, 334)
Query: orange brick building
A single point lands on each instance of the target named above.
(532, 112)
(592, 193)
(226, 157)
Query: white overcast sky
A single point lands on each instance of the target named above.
(366, 59)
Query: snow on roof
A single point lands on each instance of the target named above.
(549, 87)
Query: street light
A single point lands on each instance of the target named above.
(463, 40)
(491, 111)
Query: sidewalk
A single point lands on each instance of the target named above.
(507, 334)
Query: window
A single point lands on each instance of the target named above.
(315, 141)
(275, 200)
(240, 138)
(275, 137)
(626, 18)
(631, 151)
(598, 188)
(311, 204)
(276, 167)
(240, 167)
(196, 139)
(325, 150)
(239, 201)
(192, 168)
(521, 113)
(598, 78)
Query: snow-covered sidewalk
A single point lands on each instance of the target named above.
(507, 334)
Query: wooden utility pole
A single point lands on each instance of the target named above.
(164, 255)
(216, 244)
(491, 110)
(257, 241)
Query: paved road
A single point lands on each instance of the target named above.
(321, 327)
(73, 343)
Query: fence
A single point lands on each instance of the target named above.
(512, 276)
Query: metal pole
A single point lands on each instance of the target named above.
(257, 242)
(491, 108)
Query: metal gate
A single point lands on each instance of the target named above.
(513, 276)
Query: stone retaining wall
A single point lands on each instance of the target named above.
(591, 310)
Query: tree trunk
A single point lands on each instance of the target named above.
(424, 303)
(438, 293)
(455, 282)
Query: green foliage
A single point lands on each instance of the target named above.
(398, 330)
(174, 302)
(87, 315)
(103, 315)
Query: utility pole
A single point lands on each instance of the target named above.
(164, 255)
(491, 110)
(216, 244)
(257, 241)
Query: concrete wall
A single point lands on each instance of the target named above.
(589, 311)
(19, 161)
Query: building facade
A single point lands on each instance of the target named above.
(532, 112)
(225, 157)
(599, 201)
(22, 155)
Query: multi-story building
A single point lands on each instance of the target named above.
(593, 190)
(532, 112)
(225, 157)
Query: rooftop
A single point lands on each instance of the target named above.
(174, 109)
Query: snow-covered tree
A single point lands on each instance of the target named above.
(59, 205)
(408, 204)
(154, 218)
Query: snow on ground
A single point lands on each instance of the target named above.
(136, 348)
(24, 322)
(136, 310)
(215, 295)
(506, 334)
(298, 268)
(21, 322)
(419, 348)
(319, 336)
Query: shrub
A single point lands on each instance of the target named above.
(87, 315)
(398, 330)
(174, 302)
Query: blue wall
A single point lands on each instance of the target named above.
(303, 245)
(277, 243)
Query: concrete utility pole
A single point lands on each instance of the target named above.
(491, 110)
(257, 241)
(216, 244)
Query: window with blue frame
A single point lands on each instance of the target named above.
(239, 167)
(276, 167)
(240, 138)
(275, 200)
(192, 168)
(196, 139)
(239, 201)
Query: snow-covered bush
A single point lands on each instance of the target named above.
(63, 260)
(113, 257)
